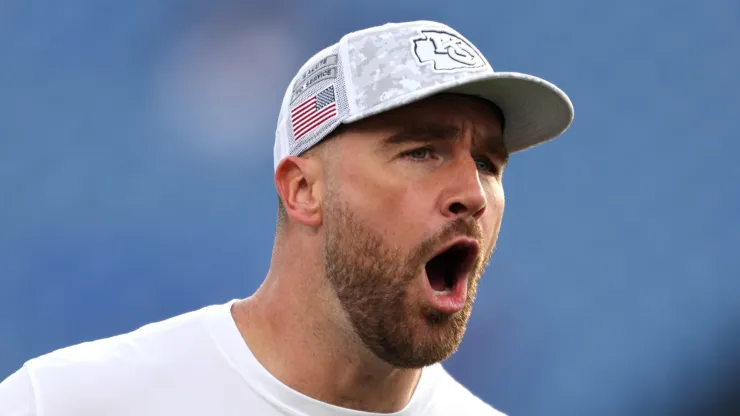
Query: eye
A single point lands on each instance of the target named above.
(485, 165)
(421, 153)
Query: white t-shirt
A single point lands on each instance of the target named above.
(193, 364)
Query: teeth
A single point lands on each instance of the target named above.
(442, 292)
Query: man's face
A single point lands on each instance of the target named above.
(413, 206)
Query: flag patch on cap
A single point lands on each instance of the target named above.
(313, 112)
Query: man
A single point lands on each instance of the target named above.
(389, 154)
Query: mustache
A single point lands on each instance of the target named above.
(461, 227)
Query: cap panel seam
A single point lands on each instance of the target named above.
(349, 86)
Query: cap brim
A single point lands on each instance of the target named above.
(535, 110)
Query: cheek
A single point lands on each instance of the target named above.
(384, 206)
(495, 211)
(362, 189)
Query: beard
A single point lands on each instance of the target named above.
(376, 284)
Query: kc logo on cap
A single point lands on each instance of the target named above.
(445, 51)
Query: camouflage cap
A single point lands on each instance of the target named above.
(381, 68)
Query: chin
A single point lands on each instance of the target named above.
(435, 338)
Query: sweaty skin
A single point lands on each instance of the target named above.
(345, 314)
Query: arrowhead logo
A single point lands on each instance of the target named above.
(445, 51)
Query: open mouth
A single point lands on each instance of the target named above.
(451, 265)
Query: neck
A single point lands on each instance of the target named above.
(295, 328)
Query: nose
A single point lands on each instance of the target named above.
(464, 196)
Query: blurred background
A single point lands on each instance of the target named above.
(136, 184)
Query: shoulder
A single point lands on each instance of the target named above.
(458, 399)
(149, 341)
(112, 368)
(16, 395)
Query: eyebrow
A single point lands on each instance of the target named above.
(432, 132)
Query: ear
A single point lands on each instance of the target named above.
(297, 183)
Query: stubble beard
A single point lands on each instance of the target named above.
(372, 280)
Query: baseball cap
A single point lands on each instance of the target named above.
(385, 67)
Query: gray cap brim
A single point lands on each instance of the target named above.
(535, 110)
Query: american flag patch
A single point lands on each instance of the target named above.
(313, 112)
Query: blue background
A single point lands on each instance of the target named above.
(136, 183)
